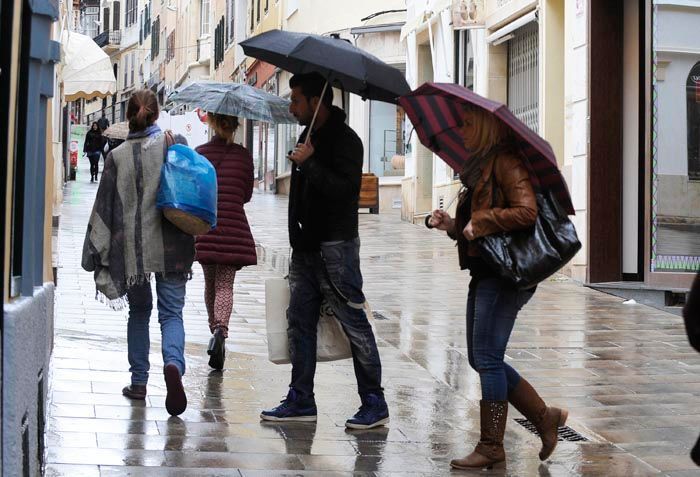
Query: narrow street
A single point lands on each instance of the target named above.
(625, 372)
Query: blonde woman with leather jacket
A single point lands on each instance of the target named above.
(497, 197)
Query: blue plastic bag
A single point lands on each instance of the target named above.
(188, 183)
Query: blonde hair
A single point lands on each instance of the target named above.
(223, 125)
(488, 130)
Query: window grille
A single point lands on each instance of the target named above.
(523, 75)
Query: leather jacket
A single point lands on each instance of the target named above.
(513, 208)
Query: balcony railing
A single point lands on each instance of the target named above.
(108, 37)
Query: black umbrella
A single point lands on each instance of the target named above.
(342, 64)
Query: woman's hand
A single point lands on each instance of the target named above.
(441, 220)
(468, 231)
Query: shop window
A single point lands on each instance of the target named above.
(464, 59)
(204, 18)
(288, 135)
(386, 141)
(675, 146)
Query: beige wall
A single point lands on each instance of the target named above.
(333, 15)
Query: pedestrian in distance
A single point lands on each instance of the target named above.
(497, 197)
(325, 262)
(129, 241)
(230, 246)
(94, 142)
(103, 123)
(691, 317)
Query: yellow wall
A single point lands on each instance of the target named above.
(270, 20)
(552, 101)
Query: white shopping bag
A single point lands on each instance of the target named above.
(331, 341)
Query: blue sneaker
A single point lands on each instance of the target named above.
(372, 413)
(293, 408)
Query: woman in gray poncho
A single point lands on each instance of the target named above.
(129, 240)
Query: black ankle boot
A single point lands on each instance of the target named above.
(217, 350)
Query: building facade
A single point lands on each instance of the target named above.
(27, 81)
(612, 86)
(382, 127)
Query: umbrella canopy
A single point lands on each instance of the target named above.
(436, 111)
(117, 130)
(342, 64)
(87, 70)
(235, 99)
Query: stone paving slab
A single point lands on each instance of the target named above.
(625, 372)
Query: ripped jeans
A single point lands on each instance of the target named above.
(309, 284)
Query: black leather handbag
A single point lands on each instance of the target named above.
(529, 256)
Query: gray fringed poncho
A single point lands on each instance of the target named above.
(127, 238)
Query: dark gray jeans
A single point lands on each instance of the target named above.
(309, 284)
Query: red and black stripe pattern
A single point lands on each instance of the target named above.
(435, 109)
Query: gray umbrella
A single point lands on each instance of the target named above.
(234, 99)
(117, 130)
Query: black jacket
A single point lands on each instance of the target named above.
(325, 190)
(94, 141)
(691, 314)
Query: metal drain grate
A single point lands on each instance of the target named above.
(565, 433)
(379, 316)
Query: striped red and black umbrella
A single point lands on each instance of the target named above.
(436, 111)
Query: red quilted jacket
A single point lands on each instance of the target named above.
(231, 242)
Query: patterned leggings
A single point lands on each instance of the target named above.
(218, 295)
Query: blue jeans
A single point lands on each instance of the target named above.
(309, 284)
(171, 300)
(492, 307)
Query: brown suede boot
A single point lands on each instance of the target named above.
(489, 450)
(545, 419)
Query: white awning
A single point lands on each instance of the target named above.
(420, 20)
(87, 70)
(512, 26)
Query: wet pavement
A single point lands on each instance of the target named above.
(626, 373)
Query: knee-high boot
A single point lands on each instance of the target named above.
(545, 419)
(489, 450)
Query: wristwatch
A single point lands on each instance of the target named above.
(427, 222)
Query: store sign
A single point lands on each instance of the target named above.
(468, 14)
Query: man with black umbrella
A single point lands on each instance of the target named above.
(323, 233)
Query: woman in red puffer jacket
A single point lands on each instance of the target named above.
(230, 246)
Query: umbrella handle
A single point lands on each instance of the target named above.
(313, 120)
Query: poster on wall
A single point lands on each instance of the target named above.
(467, 14)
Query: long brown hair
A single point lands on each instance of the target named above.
(223, 125)
(142, 110)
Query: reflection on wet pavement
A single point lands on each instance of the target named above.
(625, 372)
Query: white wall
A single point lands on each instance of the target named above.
(576, 131)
